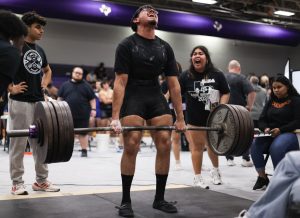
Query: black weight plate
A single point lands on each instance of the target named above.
(42, 115)
(238, 131)
(243, 125)
(249, 131)
(64, 128)
(52, 148)
(222, 143)
(60, 133)
(69, 129)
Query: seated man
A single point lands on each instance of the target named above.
(277, 199)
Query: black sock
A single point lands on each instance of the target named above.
(229, 157)
(161, 181)
(126, 185)
(246, 158)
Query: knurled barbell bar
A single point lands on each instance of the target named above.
(230, 130)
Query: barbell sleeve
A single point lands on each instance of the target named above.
(18, 133)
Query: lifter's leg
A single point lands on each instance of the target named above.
(162, 141)
(131, 147)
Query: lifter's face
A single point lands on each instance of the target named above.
(199, 60)
(148, 16)
(280, 90)
(35, 31)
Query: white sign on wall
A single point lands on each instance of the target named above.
(296, 80)
(295, 76)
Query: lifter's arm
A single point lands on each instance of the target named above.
(46, 79)
(118, 97)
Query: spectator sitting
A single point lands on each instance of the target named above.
(280, 117)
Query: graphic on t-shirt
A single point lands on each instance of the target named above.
(155, 56)
(32, 61)
(202, 90)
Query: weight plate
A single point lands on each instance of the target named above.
(69, 130)
(42, 118)
(222, 143)
(52, 148)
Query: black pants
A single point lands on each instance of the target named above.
(146, 102)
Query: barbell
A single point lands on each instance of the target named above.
(230, 130)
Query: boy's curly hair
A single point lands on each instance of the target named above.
(32, 17)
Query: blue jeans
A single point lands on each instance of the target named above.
(277, 148)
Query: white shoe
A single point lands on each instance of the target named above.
(216, 176)
(230, 163)
(246, 163)
(199, 182)
(19, 189)
(45, 186)
(178, 167)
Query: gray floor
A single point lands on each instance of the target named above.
(192, 203)
(99, 173)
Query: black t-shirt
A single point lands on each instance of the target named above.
(78, 95)
(30, 71)
(196, 90)
(240, 87)
(145, 59)
(9, 59)
(9, 63)
(281, 113)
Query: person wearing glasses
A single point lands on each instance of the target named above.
(80, 97)
(139, 60)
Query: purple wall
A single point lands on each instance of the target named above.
(87, 10)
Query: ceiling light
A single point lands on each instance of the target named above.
(209, 2)
(284, 13)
